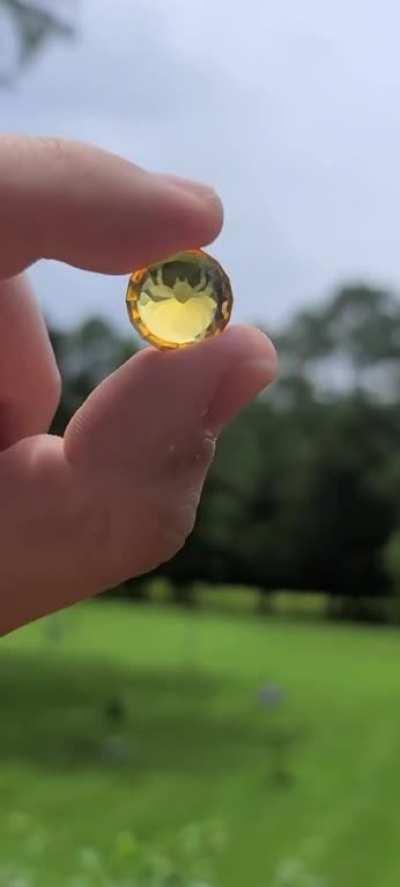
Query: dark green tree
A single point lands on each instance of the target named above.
(305, 489)
(25, 28)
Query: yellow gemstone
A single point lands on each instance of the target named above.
(179, 301)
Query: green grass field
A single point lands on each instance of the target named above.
(135, 750)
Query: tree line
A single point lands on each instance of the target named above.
(304, 491)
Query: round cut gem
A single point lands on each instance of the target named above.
(179, 301)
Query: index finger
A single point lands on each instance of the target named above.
(73, 202)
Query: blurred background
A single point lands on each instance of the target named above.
(233, 719)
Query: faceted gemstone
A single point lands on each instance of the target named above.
(179, 301)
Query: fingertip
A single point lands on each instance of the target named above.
(251, 368)
(238, 344)
(196, 210)
(205, 192)
(216, 378)
(244, 339)
(159, 395)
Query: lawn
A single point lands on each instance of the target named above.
(136, 749)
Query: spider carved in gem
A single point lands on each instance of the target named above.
(181, 290)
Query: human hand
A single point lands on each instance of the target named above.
(118, 494)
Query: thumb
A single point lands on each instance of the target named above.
(145, 438)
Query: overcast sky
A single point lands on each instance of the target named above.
(291, 110)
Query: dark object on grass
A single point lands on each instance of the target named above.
(115, 710)
(271, 695)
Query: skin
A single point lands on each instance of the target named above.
(118, 494)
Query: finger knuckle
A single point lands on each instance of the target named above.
(127, 540)
(174, 527)
(192, 454)
(131, 534)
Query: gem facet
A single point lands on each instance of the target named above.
(179, 301)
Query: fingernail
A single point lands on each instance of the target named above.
(238, 388)
(199, 189)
